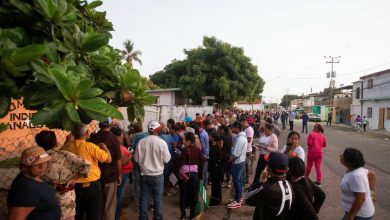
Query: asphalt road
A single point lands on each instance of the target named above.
(375, 147)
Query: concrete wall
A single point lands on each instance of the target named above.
(248, 107)
(374, 121)
(381, 86)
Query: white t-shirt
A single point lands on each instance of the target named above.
(265, 141)
(249, 133)
(298, 150)
(357, 181)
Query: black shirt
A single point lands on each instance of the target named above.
(109, 171)
(269, 200)
(227, 146)
(26, 192)
(307, 201)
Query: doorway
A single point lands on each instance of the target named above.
(381, 123)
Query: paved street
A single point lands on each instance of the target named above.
(374, 146)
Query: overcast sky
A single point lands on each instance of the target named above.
(287, 40)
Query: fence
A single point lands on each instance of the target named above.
(21, 135)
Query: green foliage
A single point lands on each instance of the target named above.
(55, 54)
(215, 69)
(286, 99)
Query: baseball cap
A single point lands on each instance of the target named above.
(188, 119)
(153, 125)
(33, 156)
(250, 120)
(106, 123)
(277, 162)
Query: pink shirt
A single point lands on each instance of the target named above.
(315, 142)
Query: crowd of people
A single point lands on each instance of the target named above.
(86, 177)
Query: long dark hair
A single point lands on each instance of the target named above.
(217, 139)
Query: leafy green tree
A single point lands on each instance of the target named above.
(214, 69)
(55, 54)
(129, 54)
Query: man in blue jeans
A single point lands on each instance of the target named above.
(305, 119)
(238, 164)
(151, 154)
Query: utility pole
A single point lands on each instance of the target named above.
(331, 75)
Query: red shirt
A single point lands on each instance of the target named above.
(129, 166)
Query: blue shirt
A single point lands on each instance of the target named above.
(169, 140)
(305, 118)
(176, 137)
(138, 137)
(204, 140)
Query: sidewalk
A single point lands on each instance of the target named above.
(378, 133)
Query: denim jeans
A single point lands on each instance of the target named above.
(284, 124)
(205, 172)
(136, 173)
(238, 179)
(151, 186)
(304, 126)
(291, 125)
(119, 192)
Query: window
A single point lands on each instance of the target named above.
(370, 84)
(357, 96)
(388, 114)
(369, 112)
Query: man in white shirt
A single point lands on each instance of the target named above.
(151, 154)
(291, 118)
(249, 132)
(238, 164)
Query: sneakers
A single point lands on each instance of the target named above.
(318, 184)
(232, 200)
(234, 205)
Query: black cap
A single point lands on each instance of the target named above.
(277, 162)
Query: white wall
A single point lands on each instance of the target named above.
(248, 107)
(374, 121)
(177, 113)
(165, 97)
(381, 87)
(308, 102)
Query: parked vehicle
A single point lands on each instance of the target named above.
(299, 113)
(314, 117)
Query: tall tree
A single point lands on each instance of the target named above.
(286, 99)
(215, 69)
(129, 54)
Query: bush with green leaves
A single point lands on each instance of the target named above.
(55, 55)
